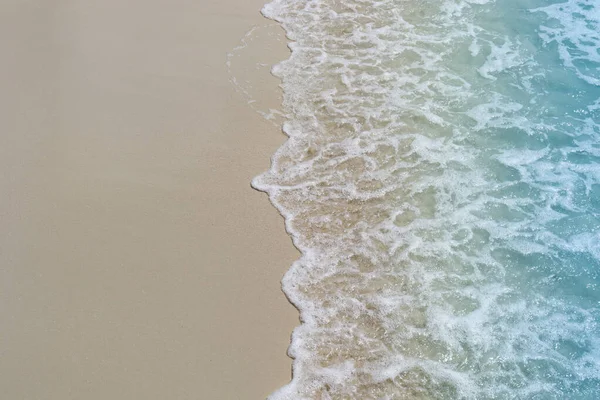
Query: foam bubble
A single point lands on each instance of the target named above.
(439, 180)
(574, 26)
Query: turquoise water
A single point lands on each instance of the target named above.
(442, 181)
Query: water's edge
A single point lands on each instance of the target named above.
(441, 182)
(280, 210)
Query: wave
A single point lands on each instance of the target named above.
(442, 181)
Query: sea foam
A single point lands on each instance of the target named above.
(442, 181)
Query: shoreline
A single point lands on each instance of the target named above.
(139, 262)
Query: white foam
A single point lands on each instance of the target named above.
(424, 190)
(501, 58)
(579, 22)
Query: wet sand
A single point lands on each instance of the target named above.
(135, 260)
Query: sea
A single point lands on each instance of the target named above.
(441, 179)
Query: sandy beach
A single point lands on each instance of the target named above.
(136, 261)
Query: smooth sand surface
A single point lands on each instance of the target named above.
(135, 260)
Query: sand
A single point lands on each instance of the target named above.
(135, 260)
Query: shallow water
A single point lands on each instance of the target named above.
(442, 181)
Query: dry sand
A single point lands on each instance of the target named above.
(135, 260)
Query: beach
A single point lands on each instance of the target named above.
(136, 260)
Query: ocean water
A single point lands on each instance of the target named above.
(442, 181)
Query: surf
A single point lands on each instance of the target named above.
(441, 179)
